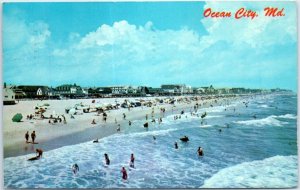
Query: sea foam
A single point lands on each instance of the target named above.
(274, 172)
(270, 121)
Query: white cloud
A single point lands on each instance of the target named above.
(19, 34)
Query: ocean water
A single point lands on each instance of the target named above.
(249, 152)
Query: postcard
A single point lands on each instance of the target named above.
(190, 94)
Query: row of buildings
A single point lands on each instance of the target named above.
(76, 91)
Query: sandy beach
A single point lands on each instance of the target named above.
(79, 129)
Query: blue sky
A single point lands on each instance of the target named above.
(149, 43)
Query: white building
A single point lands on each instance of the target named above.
(9, 96)
(120, 89)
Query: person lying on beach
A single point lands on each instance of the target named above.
(27, 136)
(107, 161)
(39, 153)
(75, 168)
(124, 173)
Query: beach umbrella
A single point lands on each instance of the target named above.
(72, 111)
(98, 105)
(17, 118)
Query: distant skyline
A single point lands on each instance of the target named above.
(148, 44)
(159, 86)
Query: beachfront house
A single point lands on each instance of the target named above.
(142, 90)
(9, 96)
(120, 90)
(238, 90)
(19, 94)
(223, 91)
(32, 91)
(155, 91)
(68, 90)
(209, 89)
(98, 92)
(173, 89)
(199, 91)
(188, 90)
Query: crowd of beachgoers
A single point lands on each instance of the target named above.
(59, 119)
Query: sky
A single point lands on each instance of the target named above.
(149, 43)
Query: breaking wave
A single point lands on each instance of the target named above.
(274, 172)
(270, 120)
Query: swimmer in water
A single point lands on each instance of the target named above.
(124, 173)
(176, 145)
(132, 161)
(39, 153)
(107, 161)
(200, 151)
(75, 168)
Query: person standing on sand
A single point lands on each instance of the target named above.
(33, 136)
(27, 136)
(124, 116)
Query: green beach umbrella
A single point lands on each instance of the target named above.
(17, 117)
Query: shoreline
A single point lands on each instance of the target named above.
(81, 130)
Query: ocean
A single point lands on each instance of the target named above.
(256, 148)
